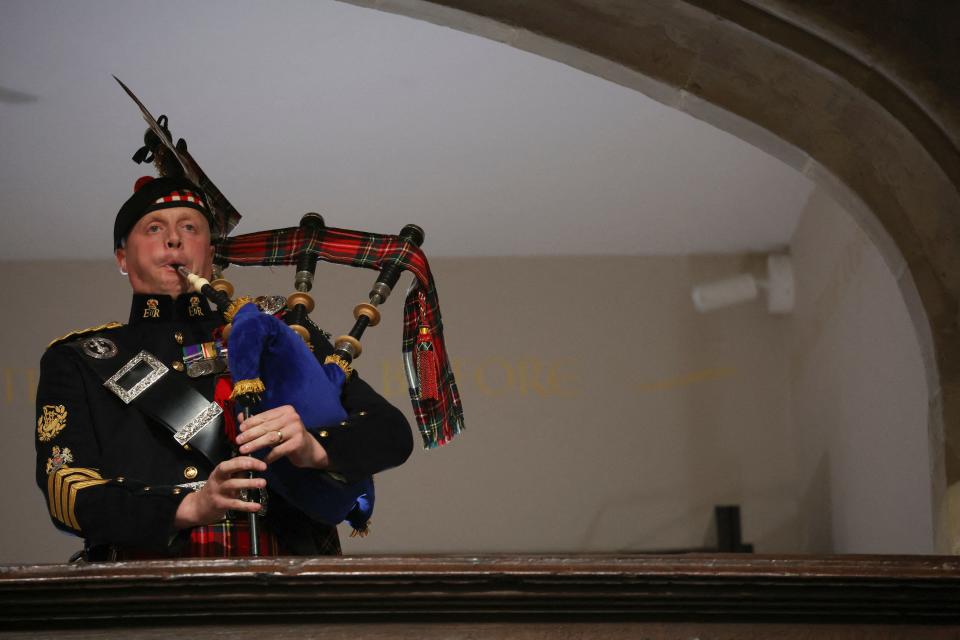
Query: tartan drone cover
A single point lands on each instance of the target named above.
(436, 402)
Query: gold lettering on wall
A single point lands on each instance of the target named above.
(690, 378)
(19, 385)
(532, 377)
(563, 379)
(492, 377)
(30, 383)
(393, 383)
(496, 377)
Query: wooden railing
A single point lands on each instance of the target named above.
(906, 593)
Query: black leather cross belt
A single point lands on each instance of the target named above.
(146, 383)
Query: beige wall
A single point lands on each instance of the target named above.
(602, 412)
(858, 395)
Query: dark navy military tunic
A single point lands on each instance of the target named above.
(116, 477)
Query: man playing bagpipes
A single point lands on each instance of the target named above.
(140, 448)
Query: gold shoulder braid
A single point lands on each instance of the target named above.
(81, 332)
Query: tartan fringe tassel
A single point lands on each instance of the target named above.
(427, 366)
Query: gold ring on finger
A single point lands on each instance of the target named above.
(279, 437)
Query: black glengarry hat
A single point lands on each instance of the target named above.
(151, 194)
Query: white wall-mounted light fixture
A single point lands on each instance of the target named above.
(744, 287)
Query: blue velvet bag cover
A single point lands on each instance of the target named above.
(265, 348)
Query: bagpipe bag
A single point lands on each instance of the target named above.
(265, 356)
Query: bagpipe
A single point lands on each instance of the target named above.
(271, 361)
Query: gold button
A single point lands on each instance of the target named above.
(178, 336)
(190, 473)
(121, 479)
(362, 413)
(324, 433)
(187, 447)
(146, 488)
(344, 423)
(176, 364)
(176, 491)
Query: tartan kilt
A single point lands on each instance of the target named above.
(230, 539)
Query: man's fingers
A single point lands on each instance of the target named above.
(259, 442)
(225, 496)
(236, 465)
(274, 438)
(255, 431)
(279, 451)
(286, 448)
(277, 414)
(240, 505)
(237, 484)
(255, 423)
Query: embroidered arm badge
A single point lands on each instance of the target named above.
(52, 420)
(59, 459)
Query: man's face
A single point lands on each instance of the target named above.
(158, 241)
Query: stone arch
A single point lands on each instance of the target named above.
(868, 122)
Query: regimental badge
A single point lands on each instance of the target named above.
(99, 347)
(153, 309)
(59, 459)
(52, 420)
(195, 309)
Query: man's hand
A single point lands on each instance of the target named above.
(220, 494)
(282, 430)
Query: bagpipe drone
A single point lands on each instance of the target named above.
(271, 361)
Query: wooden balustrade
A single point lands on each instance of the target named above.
(489, 596)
